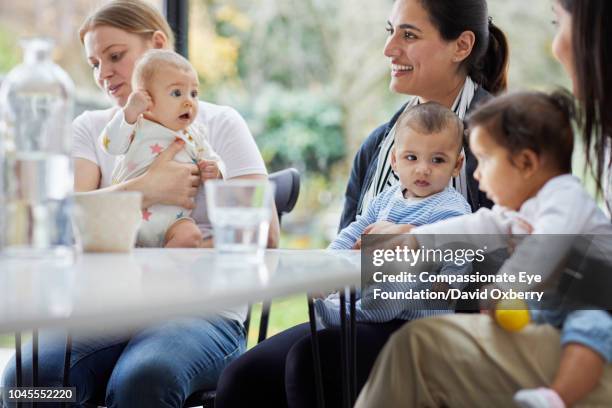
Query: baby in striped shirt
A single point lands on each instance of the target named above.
(426, 154)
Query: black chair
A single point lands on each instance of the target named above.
(286, 194)
(287, 183)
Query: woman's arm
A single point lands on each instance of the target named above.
(274, 233)
(165, 182)
(86, 175)
(366, 156)
(355, 184)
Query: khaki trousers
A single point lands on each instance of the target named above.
(466, 360)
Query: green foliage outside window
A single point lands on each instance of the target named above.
(9, 54)
(303, 129)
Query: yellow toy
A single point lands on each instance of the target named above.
(512, 315)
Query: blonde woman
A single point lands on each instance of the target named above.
(161, 365)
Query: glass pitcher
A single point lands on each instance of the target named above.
(36, 109)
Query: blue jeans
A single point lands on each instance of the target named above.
(157, 367)
(591, 328)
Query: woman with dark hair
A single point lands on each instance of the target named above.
(448, 52)
(445, 51)
(471, 362)
(583, 45)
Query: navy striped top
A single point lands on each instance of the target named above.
(391, 206)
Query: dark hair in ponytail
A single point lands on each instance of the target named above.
(487, 65)
(592, 49)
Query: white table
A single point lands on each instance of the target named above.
(120, 290)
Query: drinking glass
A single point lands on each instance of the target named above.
(240, 211)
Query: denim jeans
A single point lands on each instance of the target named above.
(157, 367)
(591, 328)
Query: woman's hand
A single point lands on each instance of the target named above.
(209, 170)
(170, 182)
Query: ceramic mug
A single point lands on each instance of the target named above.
(107, 222)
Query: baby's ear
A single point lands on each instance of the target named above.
(458, 164)
(393, 160)
(528, 162)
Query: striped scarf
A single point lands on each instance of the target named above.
(385, 177)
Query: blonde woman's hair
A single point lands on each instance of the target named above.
(133, 16)
(152, 61)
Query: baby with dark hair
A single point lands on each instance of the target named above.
(523, 142)
(426, 154)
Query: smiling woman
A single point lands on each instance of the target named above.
(448, 52)
(445, 51)
(472, 362)
(109, 50)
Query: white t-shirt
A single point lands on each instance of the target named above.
(228, 135)
(561, 207)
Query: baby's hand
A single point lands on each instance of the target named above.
(209, 170)
(138, 103)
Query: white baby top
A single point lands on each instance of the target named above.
(228, 134)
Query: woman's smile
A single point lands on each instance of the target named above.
(398, 70)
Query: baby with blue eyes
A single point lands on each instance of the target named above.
(161, 109)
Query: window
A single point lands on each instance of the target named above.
(59, 20)
(311, 79)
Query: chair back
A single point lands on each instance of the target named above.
(287, 183)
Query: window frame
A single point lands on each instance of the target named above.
(177, 14)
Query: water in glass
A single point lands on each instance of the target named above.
(240, 214)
